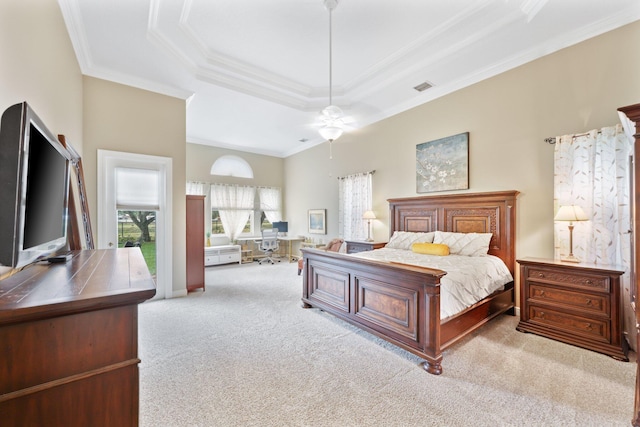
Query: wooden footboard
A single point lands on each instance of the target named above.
(398, 303)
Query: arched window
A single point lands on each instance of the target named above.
(229, 165)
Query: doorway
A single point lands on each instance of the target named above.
(134, 209)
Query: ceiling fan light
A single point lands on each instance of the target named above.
(332, 112)
(331, 132)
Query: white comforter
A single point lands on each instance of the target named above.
(468, 280)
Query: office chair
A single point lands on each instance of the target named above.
(269, 245)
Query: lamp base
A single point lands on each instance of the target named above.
(569, 258)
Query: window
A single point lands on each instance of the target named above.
(355, 198)
(237, 210)
(218, 228)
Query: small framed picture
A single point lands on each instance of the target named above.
(318, 221)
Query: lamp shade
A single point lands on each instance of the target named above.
(570, 213)
(369, 215)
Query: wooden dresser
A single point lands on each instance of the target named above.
(69, 340)
(577, 303)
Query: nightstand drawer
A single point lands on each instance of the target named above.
(587, 281)
(596, 303)
(593, 329)
(356, 246)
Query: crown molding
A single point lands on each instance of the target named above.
(210, 143)
(73, 20)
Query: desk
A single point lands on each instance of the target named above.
(287, 239)
(290, 240)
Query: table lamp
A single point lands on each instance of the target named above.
(369, 215)
(570, 213)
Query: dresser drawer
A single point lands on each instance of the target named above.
(587, 281)
(590, 302)
(593, 329)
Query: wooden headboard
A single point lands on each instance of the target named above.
(493, 212)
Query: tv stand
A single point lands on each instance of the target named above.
(69, 336)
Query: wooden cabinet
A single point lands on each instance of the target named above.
(69, 337)
(195, 242)
(223, 254)
(577, 303)
(631, 114)
(354, 246)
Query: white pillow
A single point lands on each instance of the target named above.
(470, 244)
(404, 239)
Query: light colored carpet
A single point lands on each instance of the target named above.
(244, 353)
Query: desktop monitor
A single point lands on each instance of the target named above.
(282, 226)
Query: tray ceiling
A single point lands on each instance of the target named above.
(255, 73)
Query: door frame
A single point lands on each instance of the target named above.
(107, 224)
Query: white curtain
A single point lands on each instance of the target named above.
(235, 204)
(270, 203)
(593, 172)
(356, 194)
(196, 188)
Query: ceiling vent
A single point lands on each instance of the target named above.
(423, 86)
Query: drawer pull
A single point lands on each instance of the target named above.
(540, 275)
(588, 326)
(588, 301)
(542, 293)
(589, 282)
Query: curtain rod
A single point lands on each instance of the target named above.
(231, 185)
(553, 139)
(357, 174)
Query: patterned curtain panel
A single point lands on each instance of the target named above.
(356, 194)
(270, 203)
(593, 171)
(235, 204)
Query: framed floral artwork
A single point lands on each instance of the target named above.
(443, 164)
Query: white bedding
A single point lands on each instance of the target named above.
(468, 280)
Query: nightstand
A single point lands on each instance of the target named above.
(576, 303)
(354, 246)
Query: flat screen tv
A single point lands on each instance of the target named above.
(34, 189)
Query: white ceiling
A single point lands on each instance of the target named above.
(255, 73)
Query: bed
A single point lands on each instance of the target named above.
(400, 302)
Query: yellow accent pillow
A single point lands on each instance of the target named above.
(430, 248)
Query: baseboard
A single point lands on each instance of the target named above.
(180, 293)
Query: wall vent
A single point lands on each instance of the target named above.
(423, 86)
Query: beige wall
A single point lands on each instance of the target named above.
(268, 171)
(126, 119)
(38, 65)
(508, 117)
